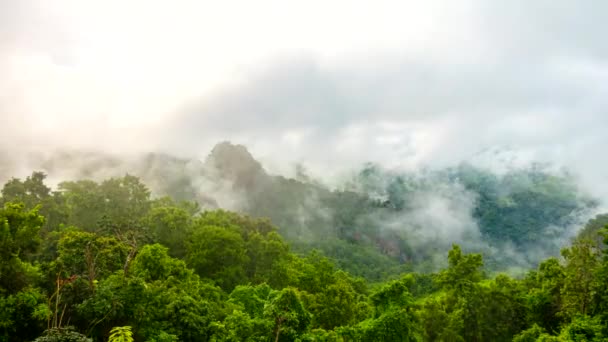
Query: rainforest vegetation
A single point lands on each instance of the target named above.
(90, 259)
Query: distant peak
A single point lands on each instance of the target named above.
(233, 160)
(228, 147)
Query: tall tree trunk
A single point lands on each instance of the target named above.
(278, 329)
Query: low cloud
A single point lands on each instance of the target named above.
(412, 88)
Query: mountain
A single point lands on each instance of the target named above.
(384, 220)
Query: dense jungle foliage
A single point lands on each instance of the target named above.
(107, 260)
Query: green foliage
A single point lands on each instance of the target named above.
(580, 270)
(160, 295)
(23, 315)
(393, 294)
(170, 226)
(121, 334)
(288, 314)
(438, 320)
(153, 263)
(395, 325)
(32, 192)
(393, 319)
(338, 304)
(358, 259)
(463, 271)
(233, 249)
(19, 239)
(218, 253)
(530, 335)
(544, 294)
(90, 255)
(503, 310)
(117, 205)
(164, 337)
(600, 290)
(267, 255)
(583, 328)
(321, 335)
(239, 326)
(251, 298)
(136, 268)
(593, 228)
(62, 335)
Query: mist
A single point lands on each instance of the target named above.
(89, 90)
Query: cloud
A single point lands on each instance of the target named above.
(331, 85)
(327, 85)
(546, 29)
(404, 114)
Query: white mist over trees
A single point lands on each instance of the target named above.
(303, 171)
(516, 218)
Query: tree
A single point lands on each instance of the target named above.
(288, 314)
(115, 206)
(438, 321)
(90, 256)
(147, 270)
(266, 255)
(85, 204)
(153, 263)
(600, 298)
(529, 335)
(159, 296)
(544, 297)
(461, 280)
(581, 266)
(32, 192)
(583, 328)
(503, 311)
(337, 305)
(394, 325)
(219, 254)
(19, 239)
(23, 315)
(593, 230)
(170, 226)
(463, 270)
(127, 201)
(239, 326)
(252, 299)
(313, 273)
(394, 319)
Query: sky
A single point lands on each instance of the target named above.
(330, 84)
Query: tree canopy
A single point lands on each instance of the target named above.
(115, 263)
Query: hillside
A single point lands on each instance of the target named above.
(376, 222)
(92, 259)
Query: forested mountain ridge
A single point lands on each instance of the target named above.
(96, 260)
(387, 220)
(303, 171)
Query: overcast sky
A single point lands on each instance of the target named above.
(334, 83)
